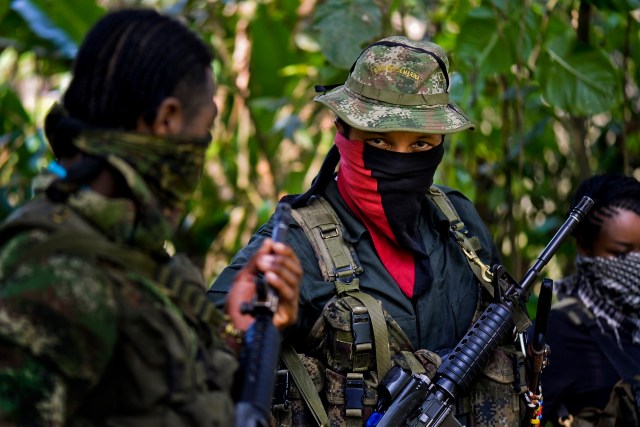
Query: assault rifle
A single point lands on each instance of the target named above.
(259, 354)
(410, 399)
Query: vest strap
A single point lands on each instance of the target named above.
(305, 384)
(468, 245)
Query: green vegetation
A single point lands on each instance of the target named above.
(552, 86)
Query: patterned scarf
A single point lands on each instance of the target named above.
(160, 172)
(610, 289)
(171, 165)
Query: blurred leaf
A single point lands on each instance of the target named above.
(64, 23)
(582, 82)
(4, 8)
(481, 44)
(345, 27)
(13, 116)
(616, 5)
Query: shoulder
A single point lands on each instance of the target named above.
(461, 202)
(58, 305)
(465, 211)
(570, 311)
(35, 269)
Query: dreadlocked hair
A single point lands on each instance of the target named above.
(129, 62)
(610, 192)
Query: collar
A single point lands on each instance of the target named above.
(354, 229)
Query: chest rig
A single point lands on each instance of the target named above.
(354, 342)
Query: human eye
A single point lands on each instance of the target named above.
(421, 146)
(616, 253)
(378, 143)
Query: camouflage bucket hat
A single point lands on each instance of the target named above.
(398, 84)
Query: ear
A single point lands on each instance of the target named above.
(169, 118)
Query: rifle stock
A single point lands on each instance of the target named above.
(433, 404)
(261, 346)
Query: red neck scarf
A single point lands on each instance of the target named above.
(385, 189)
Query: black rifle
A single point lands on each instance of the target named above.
(408, 399)
(261, 347)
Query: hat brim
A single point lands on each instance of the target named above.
(367, 114)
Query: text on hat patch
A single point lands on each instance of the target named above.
(379, 69)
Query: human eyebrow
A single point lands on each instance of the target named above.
(429, 139)
(625, 245)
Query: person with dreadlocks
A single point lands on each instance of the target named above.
(594, 329)
(394, 267)
(99, 324)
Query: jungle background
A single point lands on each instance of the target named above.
(551, 85)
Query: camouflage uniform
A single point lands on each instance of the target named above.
(102, 326)
(395, 85)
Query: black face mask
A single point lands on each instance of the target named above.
(385, 190)
(403, 180)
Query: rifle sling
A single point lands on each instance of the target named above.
(469, 245)
(304, 383)
(378, 325)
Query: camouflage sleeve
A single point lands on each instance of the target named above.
(57, 332)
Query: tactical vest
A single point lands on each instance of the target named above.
(200, 398)
(355, 341)
(623, 407)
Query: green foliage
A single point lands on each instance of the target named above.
(345, 27)
(541, 80)
(580, 81)
(63, 23)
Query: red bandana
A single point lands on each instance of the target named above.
(385, 189)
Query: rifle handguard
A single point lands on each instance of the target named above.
(472, 353)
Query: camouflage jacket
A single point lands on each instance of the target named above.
(91, 339)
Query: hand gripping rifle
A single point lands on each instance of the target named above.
(409, 399)
(259, 354)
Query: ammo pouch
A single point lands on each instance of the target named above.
(354, 343)
(344, 379)
(341, 365)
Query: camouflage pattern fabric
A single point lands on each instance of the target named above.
(334, 357)
(398, 84)
(620, 410)
(87, 342)
(170, 166)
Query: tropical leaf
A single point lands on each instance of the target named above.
(481, 45)
(581, 82)
(344, 27)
